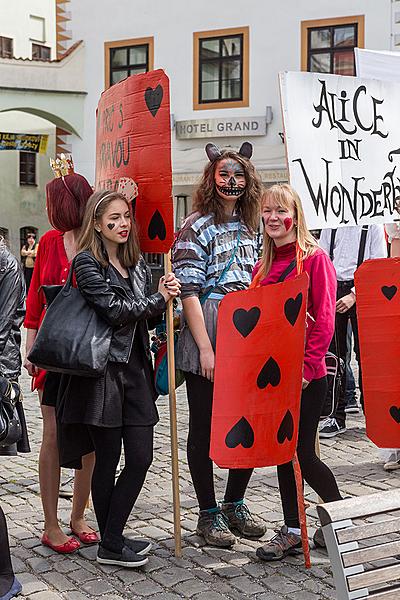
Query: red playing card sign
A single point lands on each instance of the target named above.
(258, 375)
(133, 139)
(378, 310)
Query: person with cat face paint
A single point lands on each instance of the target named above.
(119, 406)
(214, 254)
(287, 244)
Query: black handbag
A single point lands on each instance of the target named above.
(335, 376)
(10, 425)
(72, 338)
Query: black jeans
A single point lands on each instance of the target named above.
(200, 397)
(314, 471)
(340, 349)
(113, 500)
(6, 570)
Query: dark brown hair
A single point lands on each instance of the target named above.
(206, 200)
(66, 201)
(89, 239)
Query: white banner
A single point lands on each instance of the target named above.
(343, 147)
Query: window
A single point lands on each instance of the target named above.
(328, 45)
(221, 69)
(40, 52)
(27, 168)
(127, 57)
(6, 47)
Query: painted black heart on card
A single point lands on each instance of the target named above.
(241, 434)
(292, 308)
(246, 320)
(153, 99)
(286, 428)
(157, 227)
(389, 291)
(270, 373)
(395, 413)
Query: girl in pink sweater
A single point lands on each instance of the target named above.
(290, 248)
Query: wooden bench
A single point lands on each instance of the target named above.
(362, 536)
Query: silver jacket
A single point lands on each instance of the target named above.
(12, 312)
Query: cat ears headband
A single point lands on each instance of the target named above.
(214, 153)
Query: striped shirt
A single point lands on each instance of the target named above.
(203, 249)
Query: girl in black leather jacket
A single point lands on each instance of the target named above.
(119, 406)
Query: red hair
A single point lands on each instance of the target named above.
(66, 201)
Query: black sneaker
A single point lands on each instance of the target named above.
(281, 545)
(330, 427)
(352, 406)
(240, 519)
(141, 547)
(126, 558)
(213, 526)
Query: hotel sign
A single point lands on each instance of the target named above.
(224, 127)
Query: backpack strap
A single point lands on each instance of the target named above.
(363, 241)
(332, 244)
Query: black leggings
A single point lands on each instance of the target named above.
(314, 471)
(6, 570)
(200, 397)
(113, 500)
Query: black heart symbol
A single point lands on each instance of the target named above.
(241, 434)
(157, 227)
(292, 308)
(286, 428)
(389, 291)
(246, 320)
(395, 413)
(270, 373)
(153, 99)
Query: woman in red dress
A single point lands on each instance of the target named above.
(66, 198)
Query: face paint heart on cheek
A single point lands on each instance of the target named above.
(110, 226)
(287, 223)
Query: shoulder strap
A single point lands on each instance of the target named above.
(363, 241)
(332, 245)
(288, 270)
(228, 265)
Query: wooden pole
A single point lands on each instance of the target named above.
(302, 512)
(172, 417)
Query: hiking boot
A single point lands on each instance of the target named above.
(318, 538)
(240, 519)
(281, 545)
(330, 427)
(213, 526)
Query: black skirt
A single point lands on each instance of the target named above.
(50, 389)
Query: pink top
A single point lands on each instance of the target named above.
(321, 303)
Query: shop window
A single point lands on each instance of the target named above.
(27, 168)
(127, 57)
(221, 68)
(40, 52)
(328, 45)
(6, 47)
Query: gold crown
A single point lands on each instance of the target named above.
(62, 166)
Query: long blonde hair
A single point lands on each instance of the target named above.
(285, 196)
(89, 239)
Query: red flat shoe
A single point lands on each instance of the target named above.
(86, 537)
(70, 546)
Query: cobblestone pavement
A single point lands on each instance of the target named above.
(204, 573)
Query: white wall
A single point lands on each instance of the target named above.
(274, 46)
(15, 23)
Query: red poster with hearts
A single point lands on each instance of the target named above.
(258, 375)
(133, 139)
(378, 309)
